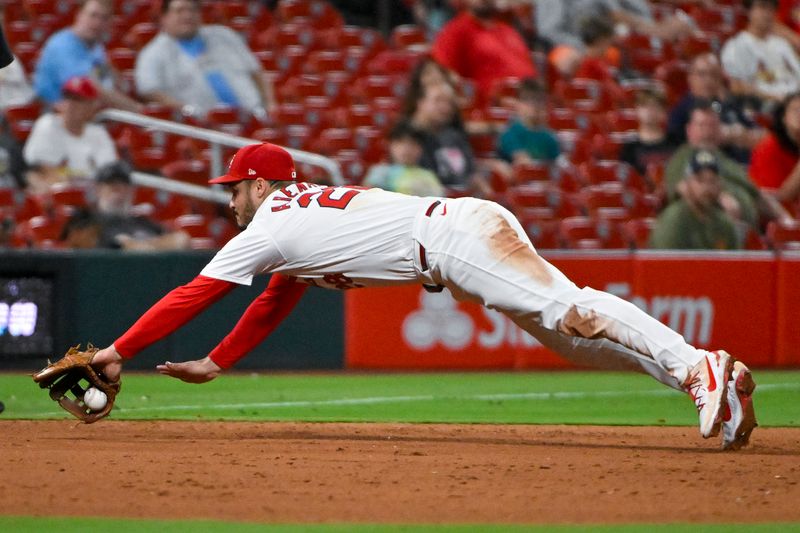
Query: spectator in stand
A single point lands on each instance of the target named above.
(652, 146)
(696, 221)
(191, 68)
(79, 51)
(119, 226)
(740, 197)
(527, 137)
(12, 164)
(404, 174)
(740, 132)
(597, 34)
(788, 23)
(775, 166)
(760, 63)
(82, 230)
(14, 87)
(481, 47)
(559, 21)
(64, 144)
(446, 148)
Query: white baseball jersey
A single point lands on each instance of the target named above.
(347, 237)
(334, 237)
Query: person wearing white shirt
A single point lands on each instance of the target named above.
(759, 62)
(65, 145)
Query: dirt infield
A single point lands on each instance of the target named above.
(398, 473)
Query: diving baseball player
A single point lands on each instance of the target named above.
(347, 237)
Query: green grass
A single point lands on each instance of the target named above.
(515, 398)
(65, 525)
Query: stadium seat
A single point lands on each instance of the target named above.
(353, 167)
(223, 114)
(196, 172)
(122, 58)
(40, 231)
(585, 233)
(535, 195)
(193, 224)
(622, 120)
(637, 232)
(276, 135)
(613, 171)
(532, 172)
(484, 145)
(222, 230)
(543, 232)
(595, 198)
(321, 61)
(332, 140)
(66, 194)
(784, 236)
(367, 39)
(562, 118)
(407, 35)
(398, 62)
(673, 75)
(140, 34)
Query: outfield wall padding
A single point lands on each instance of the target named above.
(98, 294)
(746, 303)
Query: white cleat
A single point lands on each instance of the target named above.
(739, 417)
(707, 384)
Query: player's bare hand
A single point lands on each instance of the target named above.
(109, 362)
(198, 371)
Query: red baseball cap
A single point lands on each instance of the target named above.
(80, 87)
(266, 161)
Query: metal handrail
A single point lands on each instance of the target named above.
(208, 194)
(217, 140)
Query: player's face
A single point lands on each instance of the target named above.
(243, 203)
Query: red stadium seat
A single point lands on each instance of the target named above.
(65, 194)
(543, 232)
(637, 232)
(407, 35)
(532, 172)
(368, 39)
(122, 58)
(195, 225)
(585, 233)
(322, 61)
(393, 62)
(784, 236)
(541, 197)
(484, 145)
(222, 230)
(333, 140)
(614, 196)
(140, 34)
(272, 135)
(610, 171)
(196, 172)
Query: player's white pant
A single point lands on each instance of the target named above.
(480, 252)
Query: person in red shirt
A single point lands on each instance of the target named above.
(597, 34)
(477, 45)
(774, 164)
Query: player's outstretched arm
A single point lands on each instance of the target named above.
(199, 371)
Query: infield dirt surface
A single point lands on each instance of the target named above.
(394, 473)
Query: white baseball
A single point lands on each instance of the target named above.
(95, 399)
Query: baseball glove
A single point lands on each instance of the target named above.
(68, 374)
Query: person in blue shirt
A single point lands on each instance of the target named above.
(79, 51)
(528, 138)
